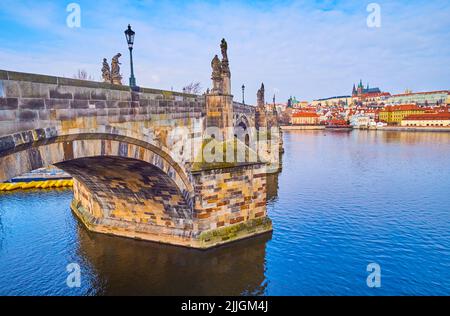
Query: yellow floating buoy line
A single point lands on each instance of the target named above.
(49, 184)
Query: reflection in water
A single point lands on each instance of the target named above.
(2, 231)
(404, 138)
(272, 186)
(343, 200)
(128, 267)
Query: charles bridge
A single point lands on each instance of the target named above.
(139, 156)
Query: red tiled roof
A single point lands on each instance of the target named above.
(428, 92)
(428, 116)
(305, 114)
(307, 109)
(402, 107)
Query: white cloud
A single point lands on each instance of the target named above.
(299, 48)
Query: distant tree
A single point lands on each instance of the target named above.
(193, 88)
(83, 75)
(285, 117)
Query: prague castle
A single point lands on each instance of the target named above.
(360, 91)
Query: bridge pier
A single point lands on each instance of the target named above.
(229, 203)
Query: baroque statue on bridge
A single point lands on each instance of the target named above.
(216, 77)
(116, 77)
(225, 62)
(226, 73)
(106, 71)
(221, 74)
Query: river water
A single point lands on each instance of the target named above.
(342, 201)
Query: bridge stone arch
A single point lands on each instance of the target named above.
(122, 185)
(25, 151)
(242, 121)
(244, 117)
(243, 130)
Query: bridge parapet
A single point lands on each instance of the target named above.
(31, 101)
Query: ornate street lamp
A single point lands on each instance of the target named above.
(243, 94)
(129, 34)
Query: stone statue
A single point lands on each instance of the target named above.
(216, 67)
(225, 62)
(224, 48)
(116, 77)
(216, 75)
(106, 71)
(226, 73)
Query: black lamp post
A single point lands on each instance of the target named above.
(243, 94)
(129, 34)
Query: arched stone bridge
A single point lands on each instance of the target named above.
(133, 157)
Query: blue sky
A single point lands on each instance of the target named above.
(310, 49)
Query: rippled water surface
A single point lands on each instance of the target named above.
(342, 201)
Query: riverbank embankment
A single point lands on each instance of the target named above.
(302, 127)
(382, 129)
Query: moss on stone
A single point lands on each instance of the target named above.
(20, 76)
(236, 231)
(167, 94)
(200, 164)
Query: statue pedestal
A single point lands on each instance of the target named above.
(219, 114)
(117, 81)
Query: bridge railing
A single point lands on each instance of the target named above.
(62, 81)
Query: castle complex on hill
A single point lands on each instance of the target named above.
(364, 91)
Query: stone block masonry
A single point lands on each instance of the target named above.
(222, 213)
(228, 198)
(31, 101)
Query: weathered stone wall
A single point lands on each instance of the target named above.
(230, 204)
(219, 114)
(229, 197)
(130, 198)
(29, 102)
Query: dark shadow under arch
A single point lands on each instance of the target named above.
(33, 153)
(133, 188)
